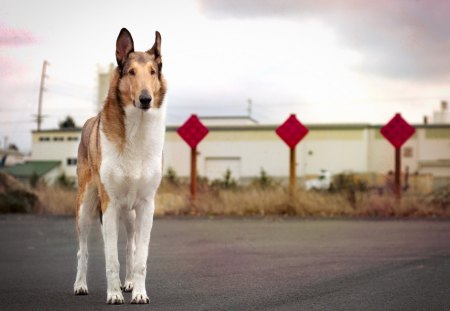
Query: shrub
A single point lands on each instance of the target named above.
(264, 180)
(34, 180)
(227, 182)
(15, 197)
(19, 201)
(65, 182)
(171, 176)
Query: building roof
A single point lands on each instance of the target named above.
(324, 126)
(266, 127)
(239, 118)
(29, 168)
(66, 130)
(11, 152)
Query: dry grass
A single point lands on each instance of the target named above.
(57, 200)
(253, 200)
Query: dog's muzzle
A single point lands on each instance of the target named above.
(145, 99)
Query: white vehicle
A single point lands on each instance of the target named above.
(323, 182)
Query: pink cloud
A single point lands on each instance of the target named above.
(11, 36)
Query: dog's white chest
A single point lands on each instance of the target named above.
(134, 173)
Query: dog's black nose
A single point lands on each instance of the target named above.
(145, 101)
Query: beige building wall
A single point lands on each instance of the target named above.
(336, 150)
(382, 154)
(253, 150)
(247, 149)
(260, 148)
(57, 145)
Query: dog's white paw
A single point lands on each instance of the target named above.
(114, 298)
(80, 289)
(128, 287)
(140, 298)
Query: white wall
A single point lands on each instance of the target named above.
(344, 150)
(338, 149)
(382, 153)
(56, 150)
(255, 150)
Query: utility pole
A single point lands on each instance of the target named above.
(41, 93)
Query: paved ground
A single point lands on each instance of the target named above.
(238, 264)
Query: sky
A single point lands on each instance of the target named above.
(349, 61)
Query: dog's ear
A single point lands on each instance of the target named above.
(124, 46)
(156, 50)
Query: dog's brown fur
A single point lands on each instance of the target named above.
(135, 70)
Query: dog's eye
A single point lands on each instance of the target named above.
(152, 72)
(131, 72)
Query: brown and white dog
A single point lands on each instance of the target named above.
(120, 168)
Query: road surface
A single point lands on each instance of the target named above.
(238, 264)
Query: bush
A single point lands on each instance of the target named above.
(15, 197)
(19, 201)
(34, 180)
(171, 176)
(264, 180)
(227, 182)
(348, 182)
(65, 182)
(441, 197)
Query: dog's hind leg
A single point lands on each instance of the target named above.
(129, 218)
(86, 212)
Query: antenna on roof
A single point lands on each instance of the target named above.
(249, 108)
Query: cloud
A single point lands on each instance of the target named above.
(12, 37)
(398, 39)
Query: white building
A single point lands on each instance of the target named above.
(246, 149)
(57, 145)
(358, 148)
(442, 116)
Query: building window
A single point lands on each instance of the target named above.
(58, 138)
(44, 138)
(71, 161)
(72, 138)
(408, 152)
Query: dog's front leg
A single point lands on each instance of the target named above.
(110, 230)
(129, 218)
(144, 222)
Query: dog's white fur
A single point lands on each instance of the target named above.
(131, 177)
(130, 174)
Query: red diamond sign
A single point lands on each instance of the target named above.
(193, 131)
(292, 131)
(397, 131)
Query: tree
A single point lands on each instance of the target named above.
(67, 123)
(13, 147)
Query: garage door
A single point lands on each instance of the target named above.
(215, 167)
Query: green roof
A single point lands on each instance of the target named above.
(28, 168)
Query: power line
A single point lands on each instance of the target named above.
(71, 84)
(19, 121)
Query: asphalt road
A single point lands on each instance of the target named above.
(238, 264)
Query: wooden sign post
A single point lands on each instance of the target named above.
(292, 132)
(193, 173)
(397, 131)
(292, 171)
(192, 132)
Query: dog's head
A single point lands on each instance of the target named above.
(141, 82)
